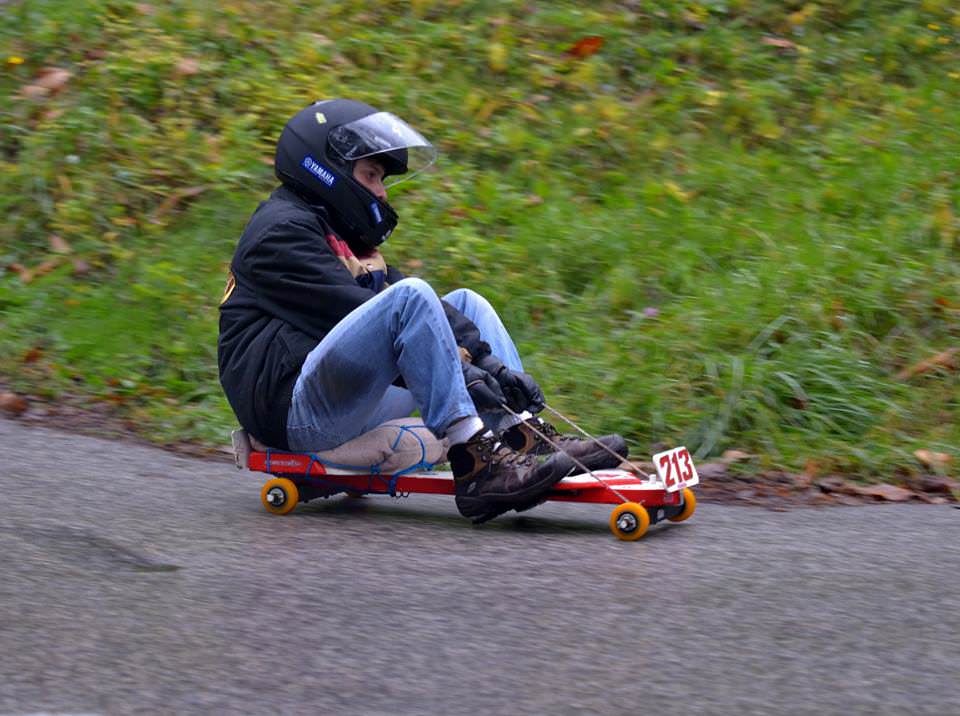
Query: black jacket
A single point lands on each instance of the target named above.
(286, 291)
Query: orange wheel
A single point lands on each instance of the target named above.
(629, 521)
(280, 495)
(689, 506)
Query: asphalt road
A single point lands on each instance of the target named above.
(137, 581)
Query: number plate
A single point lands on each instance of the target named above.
(675, 468)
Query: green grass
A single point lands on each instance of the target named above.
(730, 227)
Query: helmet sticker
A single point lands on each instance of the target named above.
(318, 170)
(321, 117)
(375, 210)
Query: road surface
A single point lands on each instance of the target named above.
(136, 581)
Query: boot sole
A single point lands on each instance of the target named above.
(485, 507)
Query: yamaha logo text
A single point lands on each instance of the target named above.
(318, 170)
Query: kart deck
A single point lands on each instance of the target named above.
(599, 487)
(640, 500)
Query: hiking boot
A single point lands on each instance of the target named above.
(490, 479)
(522, 438)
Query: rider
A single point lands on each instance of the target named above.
(321, 340)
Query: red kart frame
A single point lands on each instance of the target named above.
(641, 500)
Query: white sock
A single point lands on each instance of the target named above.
(509, 421)
(464, 429)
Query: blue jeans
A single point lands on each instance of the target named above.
(345, 386)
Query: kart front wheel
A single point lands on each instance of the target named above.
(629, 521)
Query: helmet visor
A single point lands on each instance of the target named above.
(406, 151)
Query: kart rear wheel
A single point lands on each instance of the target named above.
(280, 495)
(629, 521)
(689, 506)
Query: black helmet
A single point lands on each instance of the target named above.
(315, 157)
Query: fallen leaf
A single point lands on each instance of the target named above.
(933, 460)
(27, 275)
(931, 499)
(80, 267)
(187, 67)
(50, 81)
(781, 42)
(835, 484)
(890, 493)
(731, 456)
(586, 46)
(935, 483)
(946, 359)
(32, 355)
(18, 269)
(175, 198)
(58, 245)
(13, 404)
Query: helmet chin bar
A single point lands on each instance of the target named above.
(380, 222)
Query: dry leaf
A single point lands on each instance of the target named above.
(12, 404)
(781, 42)
(80, 267)
(32, 355)
(18, 269)
(188, 66)
(949, 359)
(175, 198)
(51, 81)
(586, 47)
(935, 483)
(933, 460)
(891, 493)
(42, 269)
(731, 456)
(58, 245)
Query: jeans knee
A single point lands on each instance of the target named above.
(416, 289)
(464, 297)
(416, 285)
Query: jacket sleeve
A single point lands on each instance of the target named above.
(297, 278)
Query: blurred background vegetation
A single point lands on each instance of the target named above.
(728, 223)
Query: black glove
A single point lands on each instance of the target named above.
(521, 391)
(483, 388)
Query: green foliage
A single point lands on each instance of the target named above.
(731, 225)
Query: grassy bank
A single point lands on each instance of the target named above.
(727, 224)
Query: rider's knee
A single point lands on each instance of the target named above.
(463, 297)
(415, 286)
